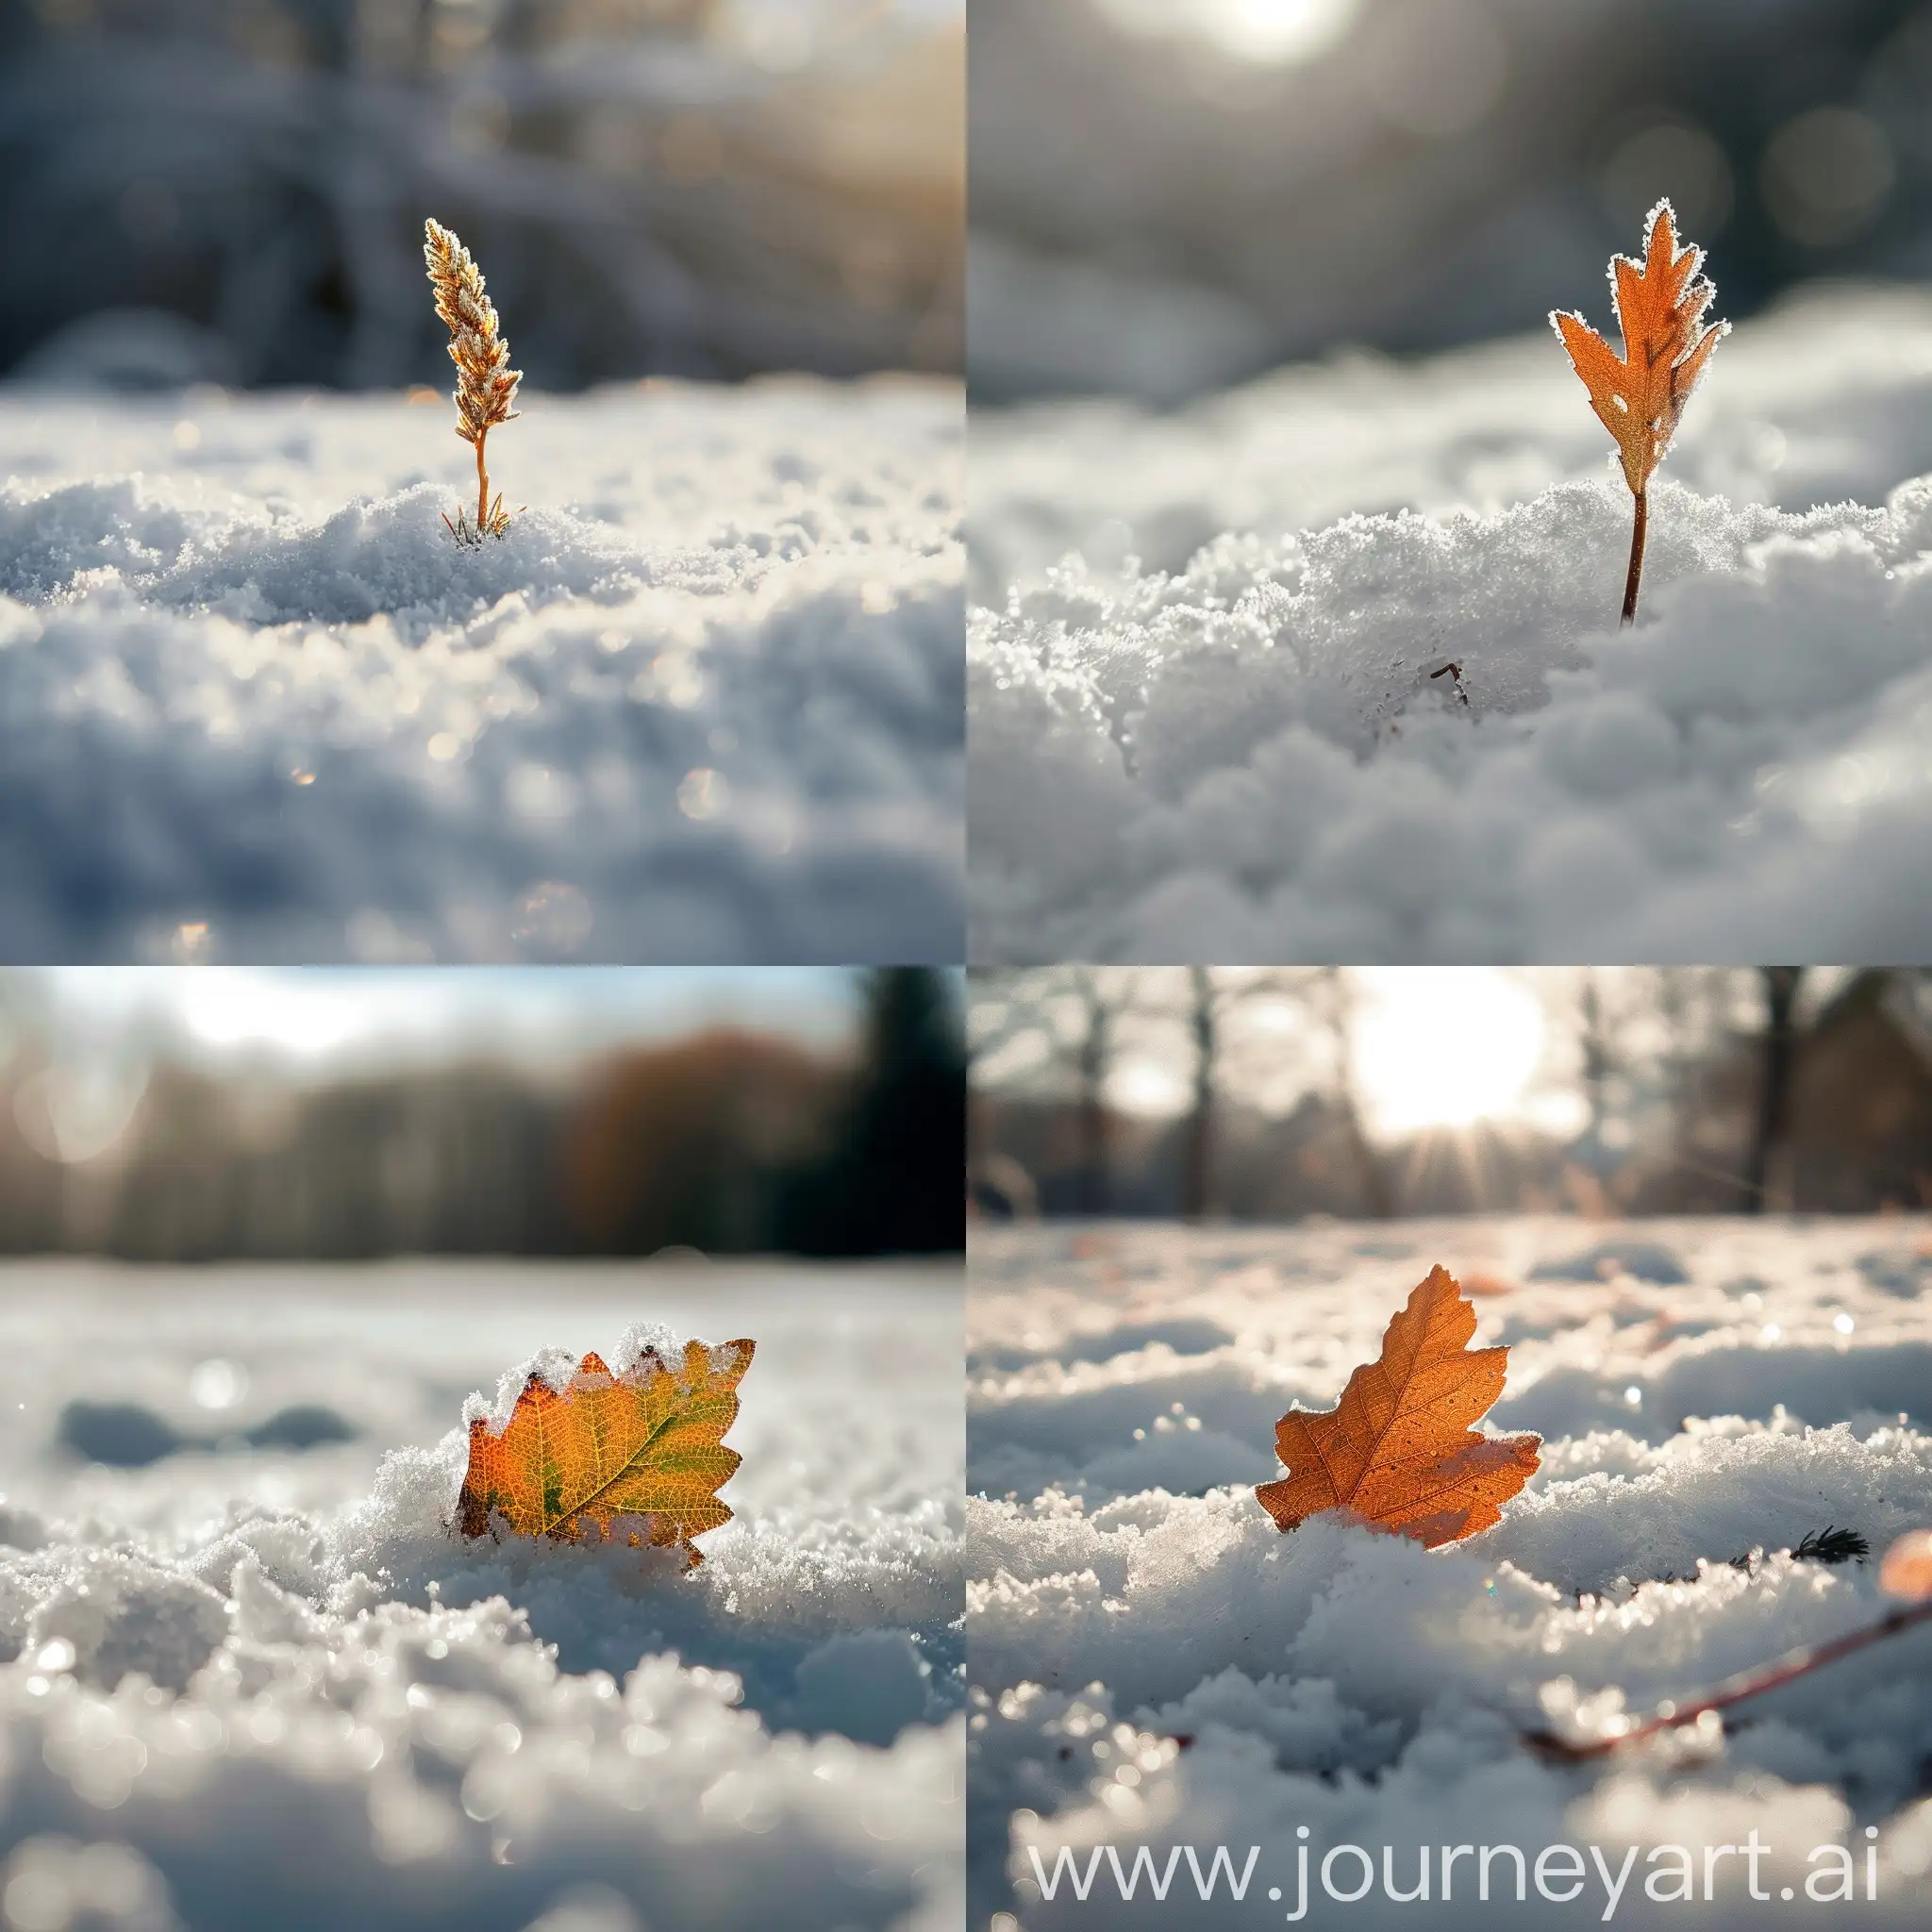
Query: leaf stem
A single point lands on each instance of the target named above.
(1794, 1663)
(1631, 583)
(483, 488)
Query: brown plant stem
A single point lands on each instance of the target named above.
(1634, 579)
(1794, 1663)
(482, 487)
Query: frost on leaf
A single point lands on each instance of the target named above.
(1660, 305)
(1400, 1449)
(638, 1456)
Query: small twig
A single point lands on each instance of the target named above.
(1831, 1545)
(1794, 1663)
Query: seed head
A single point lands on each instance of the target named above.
(486, 384)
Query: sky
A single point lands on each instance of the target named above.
(346, 1018)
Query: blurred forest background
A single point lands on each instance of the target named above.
(838, 1131)
(233, 191)
(1169, 197)
(1225, 1093)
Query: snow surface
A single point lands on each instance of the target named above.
(1203, 739)
(701, 703)
(254, 1685)
(1126, 1590)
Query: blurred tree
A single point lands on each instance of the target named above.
(30, 1207)
(1593, 1035)
(695, 1144)
(1092, 1060)
(1337, 1003)
(1687, 1076)
(1213, 998)
(1778, 1048)
(456, 1160)
(1068, 1019)
(1204, 1009)
(893, 1179)
(726, 1140)
(233, 191)
(1702, 1095)
(1042, 1034)
(1861, 1097)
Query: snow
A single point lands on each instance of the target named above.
(1226, 729)
(256, 1686)
(701, 703)
(1126, 1592)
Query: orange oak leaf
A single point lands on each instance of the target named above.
(639, 1455)
(1399, 1449)
(1639, 396)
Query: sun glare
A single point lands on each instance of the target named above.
(240, 1006)
(306, 1014)
(1268, 32)
(1146, 1086)
(1444, 1047)
(1276, 31)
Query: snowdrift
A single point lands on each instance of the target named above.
(1153, 1663)
(1190, 742)
(701, 703)
(255, 1685)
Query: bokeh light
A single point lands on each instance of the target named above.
(1269, 32)
(1674, 159)
(1826, 176)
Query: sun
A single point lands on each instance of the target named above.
(1146, 1086)
(1275, 31)
(1272, 33)
(1444, 1047)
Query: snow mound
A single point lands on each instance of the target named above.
(1203, 736)
(270, 1685)
(702, 701)
(395, 556)
(1410, 739)
(1154, 1665)
(1646, 1260)
(436, 1768)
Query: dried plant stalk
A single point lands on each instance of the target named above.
(1785, 1670)
(486, 384)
